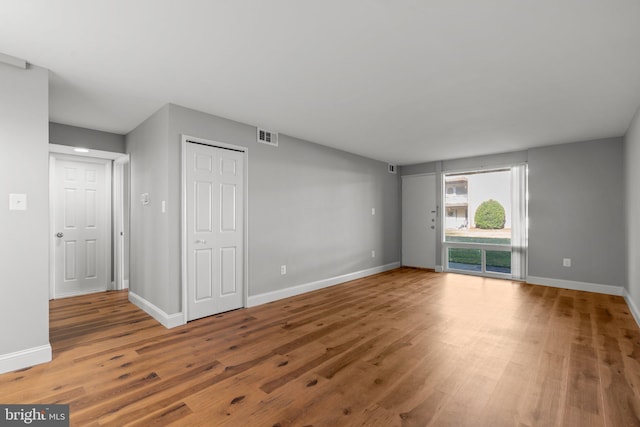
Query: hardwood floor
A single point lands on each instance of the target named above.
(402, 348)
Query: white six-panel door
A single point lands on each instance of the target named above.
(81, 227)
(419, 221)
(215, 230)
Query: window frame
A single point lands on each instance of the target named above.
(483, 247)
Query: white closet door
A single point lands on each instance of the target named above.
(215, 230)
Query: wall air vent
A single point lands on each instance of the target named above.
(392, 168)
(268, 137)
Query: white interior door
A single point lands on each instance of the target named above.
(419, 221)
(215, 230)
(82, 224)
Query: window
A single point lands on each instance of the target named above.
(484, 229)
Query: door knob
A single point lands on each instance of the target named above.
(59, 235)
(433, 227)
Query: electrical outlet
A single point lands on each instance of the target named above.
(283, 270)
(373, 211)
(566, 262)
(373, 254)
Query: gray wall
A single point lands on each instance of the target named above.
(485, 162)
(632, 170)
(149, 242)
(466, 163)
(86, 138)
(420, 168)
(309, 207)
(24, 166)
(576, 210)
(576, 207)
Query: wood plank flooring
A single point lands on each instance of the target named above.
(402, 348)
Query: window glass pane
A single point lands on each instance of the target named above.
(478, 207)
(465, 259)
(498, 261)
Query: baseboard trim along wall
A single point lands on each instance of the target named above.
(167, 320)
(439, 269)
(632, 307)
(25, 358)
(576, 286)
(266, 297)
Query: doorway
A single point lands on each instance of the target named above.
(82, 221)
(89, 217)
(214, 224)
(419, 213)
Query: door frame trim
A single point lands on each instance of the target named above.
(118, 223)
(56, 155)
(435, 195)
(185, 139)
(69, 150)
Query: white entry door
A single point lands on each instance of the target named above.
(215, 230)
(82, 224)
(419, 221)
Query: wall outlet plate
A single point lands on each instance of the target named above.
(566, 262)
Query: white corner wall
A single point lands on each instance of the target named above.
(24, 258)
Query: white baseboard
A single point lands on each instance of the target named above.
(439, 269)
(25, 358)
(632, 307)
(577, 286)
(167, 320)
(313, 286)
(125, 284)
(80, 293)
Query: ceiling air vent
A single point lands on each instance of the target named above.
(268, 137)
(392, 168)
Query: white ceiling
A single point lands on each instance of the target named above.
(399, 81)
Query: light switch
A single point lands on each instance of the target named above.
(17, 202)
